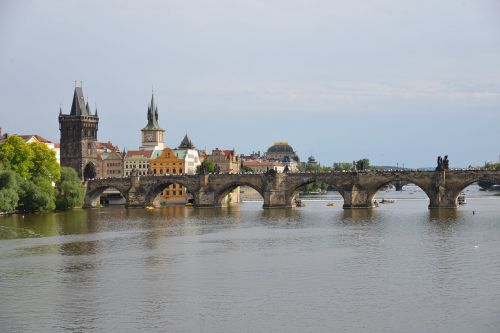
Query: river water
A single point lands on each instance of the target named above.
(397, 268)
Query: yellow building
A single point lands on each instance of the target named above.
(168, 163)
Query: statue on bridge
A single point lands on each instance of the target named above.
(442, 163)
(270, 173)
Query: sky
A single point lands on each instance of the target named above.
(398, 82)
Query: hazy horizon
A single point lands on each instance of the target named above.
(390, 81)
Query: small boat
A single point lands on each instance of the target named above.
(385, 201)
(188, 204)
(298, 203)
(150, 208)
(330, 204)
(461, 199)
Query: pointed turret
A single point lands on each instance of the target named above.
(152, 116)
(186, 143)
(78, 107)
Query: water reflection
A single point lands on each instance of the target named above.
(443, 215)
(79, 248)
(359, 216)
(288, 217)
(47, 224)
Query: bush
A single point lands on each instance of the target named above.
(8, 191)
(70, 191)
(37, 195)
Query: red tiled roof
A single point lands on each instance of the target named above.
(26, 137)
(107, 145)
(146, 153)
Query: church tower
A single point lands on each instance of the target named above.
(152, 134)
(79, 137)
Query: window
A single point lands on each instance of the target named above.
(168, 192)
(180, 170)
(161, 171)
(174, 193)
(180, 192)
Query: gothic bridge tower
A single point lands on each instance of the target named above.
(79, 137)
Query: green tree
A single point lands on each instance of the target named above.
(246, 169)
(16, 155)
(340, 166)
(208, 165)
(44, 162)
(492, 166)
(37, 195)
(9, 187)
(363, 164)
(70, 191)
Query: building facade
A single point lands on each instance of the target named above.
(78, 131)
(283, 152)
(110, 164)
(138, 160)
(183, 160)
(169, 162)
(264, 166)
(225, 160)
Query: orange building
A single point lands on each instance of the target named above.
(168, 163)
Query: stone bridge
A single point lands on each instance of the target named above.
(279, 189)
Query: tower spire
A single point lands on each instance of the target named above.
(152, 115)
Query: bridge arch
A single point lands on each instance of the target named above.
(222, 192)
(424, 187)
(342, 182)
(458, 187)
(93, 196)
(151, 197)
(296, 188)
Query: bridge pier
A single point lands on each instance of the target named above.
(442, 195)
(357, 198)
(92, 202)
(135, 200)
(205, 199)
(276, 199)
(443, 199)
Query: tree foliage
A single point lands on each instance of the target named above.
(17, 156)
(44, 162)
(208, 165)
(30, 172)
(492, 166)
(9, 187)
(316, 186)
(341, 166)
(37, 195)
(70, 191)
(245, 169)
(363, 164)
